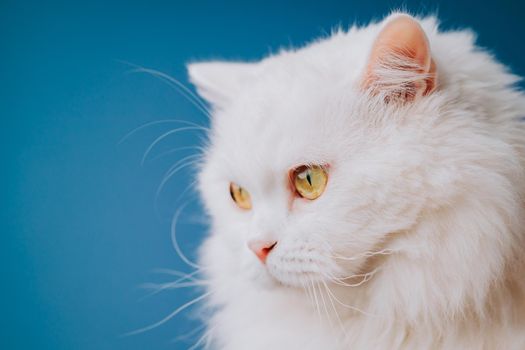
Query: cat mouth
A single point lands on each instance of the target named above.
(294, 275)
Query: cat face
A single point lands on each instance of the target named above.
(314, 159)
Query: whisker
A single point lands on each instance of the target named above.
(174, 169)
(208, 339)
(156, 122)
(315, 298)
(324, 305)
(179, 87)
(366, 254)
(192, 97)
(189, 333)
(341, 280)
(184, 280)
(188, 158)
(163, 136)
(307, 290)
(163, 154)
(334, 308)
(188, 188)
(177, 273)
(354, 308)
(206, 336)
(168, 317)
(160, 287)
(174, 240)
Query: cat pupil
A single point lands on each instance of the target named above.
(308, 178)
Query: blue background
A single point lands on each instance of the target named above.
(80, 226)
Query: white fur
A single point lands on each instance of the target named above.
(427, 195)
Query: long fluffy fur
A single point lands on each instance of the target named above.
(418, 240)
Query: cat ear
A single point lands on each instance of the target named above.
(400, 66)
(219, 82)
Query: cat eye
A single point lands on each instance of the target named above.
(240, 196)
(309, 181)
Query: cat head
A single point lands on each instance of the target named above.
(323, 157)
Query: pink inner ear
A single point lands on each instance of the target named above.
(400, 63)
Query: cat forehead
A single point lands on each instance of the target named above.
(304, 106)
(285, 97)
(272, 133)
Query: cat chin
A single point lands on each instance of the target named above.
(264, 277)
(266, 281)
(272, 281)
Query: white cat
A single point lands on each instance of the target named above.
(367, 192)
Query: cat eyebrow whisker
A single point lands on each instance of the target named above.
(185, 92)
(157, 122)
(177, 149)
(166, 134)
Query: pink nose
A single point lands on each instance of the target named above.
(261, 248)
